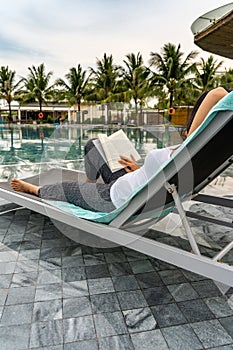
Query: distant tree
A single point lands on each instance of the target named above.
(226, 79)
(36, 86)
(206, 74)
(105, 79)
(9, 87)
(75, 89)
(172, 72)
(136, 79)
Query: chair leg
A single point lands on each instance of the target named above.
(172, 189)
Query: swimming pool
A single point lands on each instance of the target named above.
(30, 149)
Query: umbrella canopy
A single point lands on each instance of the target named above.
(213, 31)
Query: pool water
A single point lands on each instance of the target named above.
(29, 149)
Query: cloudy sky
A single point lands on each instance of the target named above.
(63, 33)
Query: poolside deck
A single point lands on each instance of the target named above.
(56, 294)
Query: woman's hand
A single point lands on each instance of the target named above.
(129, 163)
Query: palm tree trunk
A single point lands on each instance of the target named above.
(10, 112)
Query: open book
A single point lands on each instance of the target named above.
(113, 146)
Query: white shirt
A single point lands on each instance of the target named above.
(125, 185)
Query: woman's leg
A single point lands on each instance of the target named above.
(22, 186)
(90, 196)
(95, 166)
(208, 102)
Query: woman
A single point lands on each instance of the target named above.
(117, 186)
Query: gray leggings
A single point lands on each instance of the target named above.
(91, 196)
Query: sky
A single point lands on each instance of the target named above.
(64, 33)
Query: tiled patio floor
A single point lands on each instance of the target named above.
(56, 294)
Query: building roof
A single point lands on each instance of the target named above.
(213, 31)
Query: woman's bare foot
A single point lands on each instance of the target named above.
(22, 186)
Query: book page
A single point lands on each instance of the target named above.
(116, 145)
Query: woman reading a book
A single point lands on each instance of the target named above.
(117, 186)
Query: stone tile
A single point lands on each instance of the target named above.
(55, 347)
(84, 345)
(220, 306)
(150, 340)
(74, 250)
(46, 253)
(157, 295)
(14, 338)
(206, 288)
(76, 307)
(27, 266)
(131, 300)
(95, 259)
(75, 289)
(17, 314)
(47, 310)
(104, 303)
(133, 255)
(31, 254)
(1, 311)
(72, 261)
(149, 280)
(73, 274)
(120, 269)
(29, 245)
(141, 266)
(172, 277)
(195, 310)
(117, 342)
(139, 320)
(191, 276)
(48, 292)
(7, 268)
(181, 337)
(211, 333)
(49, 276)
(3, 295)
(46, 334)
(115, 257)
(109, 323)
(160, 265)
(50, 263)
(168, 315)
(80, 328)
(124, 283)
(101, 285)
(21, 295)
(227, 323)
(224, 347)
(8, 256)
(182, 292)
(5, 280)
(24, 279)
(98, 271)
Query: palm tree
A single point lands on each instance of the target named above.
(226, 79)
(9, 88)
(37, 86)
(172, 71)
(105, 78)
(76, 89)
(105, 81)
(206, 74)
(136, 79)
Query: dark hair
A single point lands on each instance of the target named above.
(195, 108)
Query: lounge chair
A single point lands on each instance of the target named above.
(197, 162)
